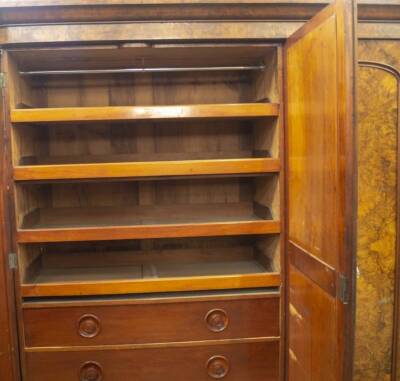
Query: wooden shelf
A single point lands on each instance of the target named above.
(146, 169)
(115, 113)
(149, 278)
(140, 157)
(152, 221)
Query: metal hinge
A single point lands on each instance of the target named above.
(343, 289)
(2, 80)
(12, 261)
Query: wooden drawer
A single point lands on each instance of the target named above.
(257, 361)
(151, 321)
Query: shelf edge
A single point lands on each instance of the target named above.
(149, 231)
(116, 113)
(147, 169)
(175, 284)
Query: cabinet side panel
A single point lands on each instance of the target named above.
(8, 335)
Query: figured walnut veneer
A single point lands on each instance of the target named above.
(378, 110)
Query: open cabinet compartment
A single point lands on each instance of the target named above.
(70, 126)
(102, 142)
(155, 265)
(317, 298)
(79, 208)
(193, 153)
(173, 84)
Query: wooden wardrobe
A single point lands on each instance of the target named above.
(179, 189)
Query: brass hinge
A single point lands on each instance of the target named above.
(12, 261)
(343, 289)
(2, 81)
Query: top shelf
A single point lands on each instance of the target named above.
(118, 113)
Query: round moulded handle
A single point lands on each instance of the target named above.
(89, 326)
(216, 320)
(91, 371)
(218, 367)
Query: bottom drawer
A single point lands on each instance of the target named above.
(254, 361)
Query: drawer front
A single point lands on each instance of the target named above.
(151, 323)
(231, 362)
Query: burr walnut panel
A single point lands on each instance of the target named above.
(377, 258)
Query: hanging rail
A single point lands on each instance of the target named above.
(142, 70)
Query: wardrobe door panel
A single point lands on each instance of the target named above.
(320, 182)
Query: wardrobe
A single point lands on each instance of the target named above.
(181, 185)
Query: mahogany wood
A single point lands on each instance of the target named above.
(312, 330)
(259, 360)
(146, 169)
(319, 272)
(225, 206)
(55, 327)
(7, 344)
(166, 284)
(320, 171)
(218, 367)
(91, 371)
(149, 231)
(311, 293)
(246, 110)
(9, 349)
(174, 297)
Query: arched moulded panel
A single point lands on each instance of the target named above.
(377, 253)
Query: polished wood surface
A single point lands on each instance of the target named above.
(7, 345)
(33, 214)
(188, 120)
(121, 285)
(146, 169)
(174, 297)
(312, 149)
(256, 360)
(150, 231)
(320, 154)
(379, 30)
(190, 321)
(175, 31)
(216, 10)
(9, 350)
(144, 113)
(312, 330)
(41, 3)
(378, 228)
(74, 11)
(321, 274)
(145, 31)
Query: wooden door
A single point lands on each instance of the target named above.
(9, 369)
(321, 210)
